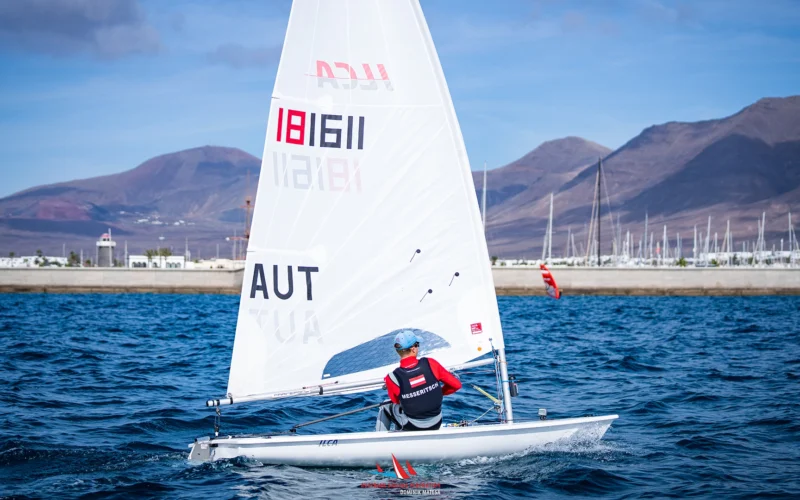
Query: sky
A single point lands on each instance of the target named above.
(96, 87)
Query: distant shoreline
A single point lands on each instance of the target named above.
(508, 281)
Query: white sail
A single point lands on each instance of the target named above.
(366, 219)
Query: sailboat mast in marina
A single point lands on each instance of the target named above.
(599, 208)
(483, 198)
(366, 225)
(593, 242)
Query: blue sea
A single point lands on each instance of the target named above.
(101, 395)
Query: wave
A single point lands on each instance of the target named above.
(629, 363)
(706, 398)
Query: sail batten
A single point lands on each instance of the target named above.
(366, 220)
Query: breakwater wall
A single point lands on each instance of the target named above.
(508, 281)
(651, 281)
(120, 280)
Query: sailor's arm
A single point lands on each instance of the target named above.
(393, 389)
(451, 383)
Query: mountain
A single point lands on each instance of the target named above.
(677, 173)
(197, 194)
(202, 182)
(544, 169)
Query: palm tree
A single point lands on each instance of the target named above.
(11, 254)
(38, 253)
(149, 254)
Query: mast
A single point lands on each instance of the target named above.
(708, 235)
(757, 245)
(483, 198)
(727, 244)
(731, 250)
(617, 237)
(791, 241)
(699, 247)
(544, 246)
(644, 248)
(628, 244)
(569, 237)
(509, 412)
(574, 253)
(763, 233)
(599, 207)
(550, 232)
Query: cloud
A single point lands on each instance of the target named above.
(107, 29)
(238, 56)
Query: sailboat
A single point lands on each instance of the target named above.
(366, 223)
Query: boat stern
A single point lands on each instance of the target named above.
(200, 450)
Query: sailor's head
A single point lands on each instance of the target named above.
(406, 343)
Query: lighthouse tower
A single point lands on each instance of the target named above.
(105, 250)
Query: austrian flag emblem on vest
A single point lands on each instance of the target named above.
(416, 381)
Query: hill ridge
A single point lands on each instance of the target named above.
(678, 172)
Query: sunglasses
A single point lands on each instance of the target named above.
(397, 346)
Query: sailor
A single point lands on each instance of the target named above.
(416, 389)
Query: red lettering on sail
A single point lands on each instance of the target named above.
(321, 129)
(327, 74)
(296, 129)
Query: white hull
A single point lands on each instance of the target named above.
(365, 449)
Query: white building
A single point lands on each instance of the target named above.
(32, 261)
(157, 262)
(217, 264)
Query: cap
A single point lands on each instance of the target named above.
(405, 339)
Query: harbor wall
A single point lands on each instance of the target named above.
(508, 281)
(651, 281)
(120, 280)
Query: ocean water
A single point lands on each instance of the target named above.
(102, 393)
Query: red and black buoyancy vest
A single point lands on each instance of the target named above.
(420, 391)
